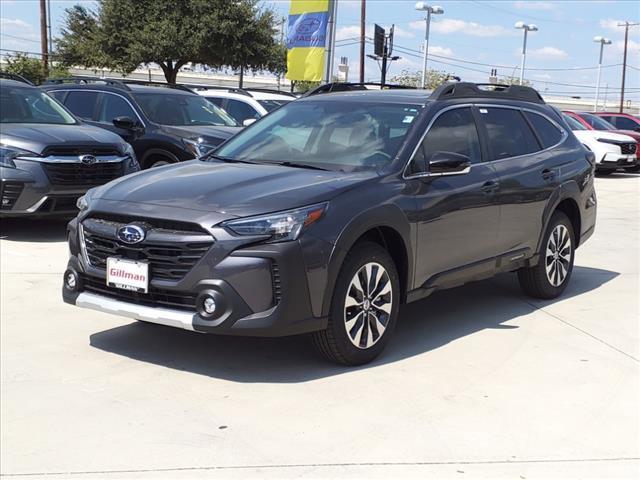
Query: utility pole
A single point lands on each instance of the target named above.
(49, 28)
(43, 37)
(626, 26)
(363, 14)
(329, 49)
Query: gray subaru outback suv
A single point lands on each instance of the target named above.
(327, 214)
(49, 158)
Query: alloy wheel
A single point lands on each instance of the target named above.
(368, 305)
(558, 255)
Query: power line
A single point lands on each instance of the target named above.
(520, 14)
(19, 38)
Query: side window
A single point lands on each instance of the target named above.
(114, 106)
(548, 133)
(453, 131)
(215, 100)
(610, 119)
(57, 94)
(623, 123)
(82, 103)
(241, 110)
(508, 132)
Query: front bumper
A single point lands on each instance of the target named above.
(259, 291)
(28, 191)
(617, 160)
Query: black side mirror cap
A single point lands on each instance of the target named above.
(126, 123)
(449, 162)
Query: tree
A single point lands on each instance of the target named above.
(122, 34)
(510, 80)
(435, 78)
(31, 68)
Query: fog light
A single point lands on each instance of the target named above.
(209, 305)
(71, 280)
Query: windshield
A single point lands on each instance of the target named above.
(31, 105)
(335, 135)
(271, 105)
(573, 123)
(183, 110)
(597, 122)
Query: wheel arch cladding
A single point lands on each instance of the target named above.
(570, 208)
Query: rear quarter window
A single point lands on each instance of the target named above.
(548, 133)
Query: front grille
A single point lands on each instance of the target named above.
(64, 151)
(155, 298)
(79, 174)
(9, 192)
(628, 148)
(171, 253)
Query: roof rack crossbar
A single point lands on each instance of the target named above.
(451, 91)
(133, 81)
(269, 90)
(15, 77)
(78, 79)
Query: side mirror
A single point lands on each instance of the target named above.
(449, 162)
(248, 121)
(127, 123)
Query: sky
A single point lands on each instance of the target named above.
(468, 40)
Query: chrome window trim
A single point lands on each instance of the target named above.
(100, 91)
(564, 136)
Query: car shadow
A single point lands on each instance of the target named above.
(423, 326)
(34, 229)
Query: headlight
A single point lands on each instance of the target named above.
(197, 147)
(84, 201)
(133, 161)
(8, 153)
(612, 142)
(280, 227)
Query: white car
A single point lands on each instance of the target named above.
(245, 105)
(613, 151)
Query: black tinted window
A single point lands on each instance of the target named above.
(509, 134)
(215, 100)
(58, 95)
(115, 106)
(82, 103)
(453, 131)
(548, 133)
(623, 123)
(241, 111)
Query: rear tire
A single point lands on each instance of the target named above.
(364, 307)
(549, 278)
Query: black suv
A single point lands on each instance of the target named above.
(48, 158)
(327, 214)
(164, 125)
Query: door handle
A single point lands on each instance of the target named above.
(489, 186)
(548, 174)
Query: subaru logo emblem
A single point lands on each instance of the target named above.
(131, 234)
(88, 159)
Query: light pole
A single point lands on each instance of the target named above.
(435, 10)
(602, 41)
(527, 28)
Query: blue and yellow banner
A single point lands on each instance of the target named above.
(306, 39)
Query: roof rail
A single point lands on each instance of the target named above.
(156, 84)
(270, 90)
(16, 77)
(80, 79)
(450, 91)
(238, 90)
(349, 87)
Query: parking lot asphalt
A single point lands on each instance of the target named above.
(479, 381)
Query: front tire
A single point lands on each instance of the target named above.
(364, 307)
(549, 278)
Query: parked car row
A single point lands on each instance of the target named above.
(157, 124)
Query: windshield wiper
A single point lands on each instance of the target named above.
(208, 156)
(298, 165)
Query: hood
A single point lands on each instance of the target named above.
(606, 134)
(36, 137)
(230, 188)
(211, 134)
(629, 133)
